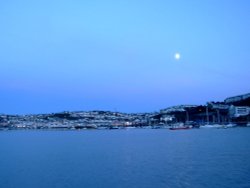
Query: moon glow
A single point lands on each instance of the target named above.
(177, 56)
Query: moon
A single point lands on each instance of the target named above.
(177, 56)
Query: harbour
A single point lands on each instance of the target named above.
(137, 158)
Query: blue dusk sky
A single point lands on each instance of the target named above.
(58, 55)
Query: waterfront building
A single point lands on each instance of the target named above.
(237, 111)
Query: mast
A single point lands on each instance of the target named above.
(187, 116)
(207, 115)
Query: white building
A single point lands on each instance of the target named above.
(237, 111)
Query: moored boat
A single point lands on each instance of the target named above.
(179, 128)
(217, 126)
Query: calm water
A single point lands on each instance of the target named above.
(125, 158)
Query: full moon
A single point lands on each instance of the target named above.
(177, 56)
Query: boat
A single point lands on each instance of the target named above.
(130, 127)
(113, 127)
(230, 125)
(179, 128)
(217, 126)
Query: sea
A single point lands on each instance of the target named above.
(132, 158)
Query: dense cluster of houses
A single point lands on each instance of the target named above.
(74, 120)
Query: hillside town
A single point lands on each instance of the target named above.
(233, 111)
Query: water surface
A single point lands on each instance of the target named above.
(140, 158)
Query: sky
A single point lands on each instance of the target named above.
(58, 55)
